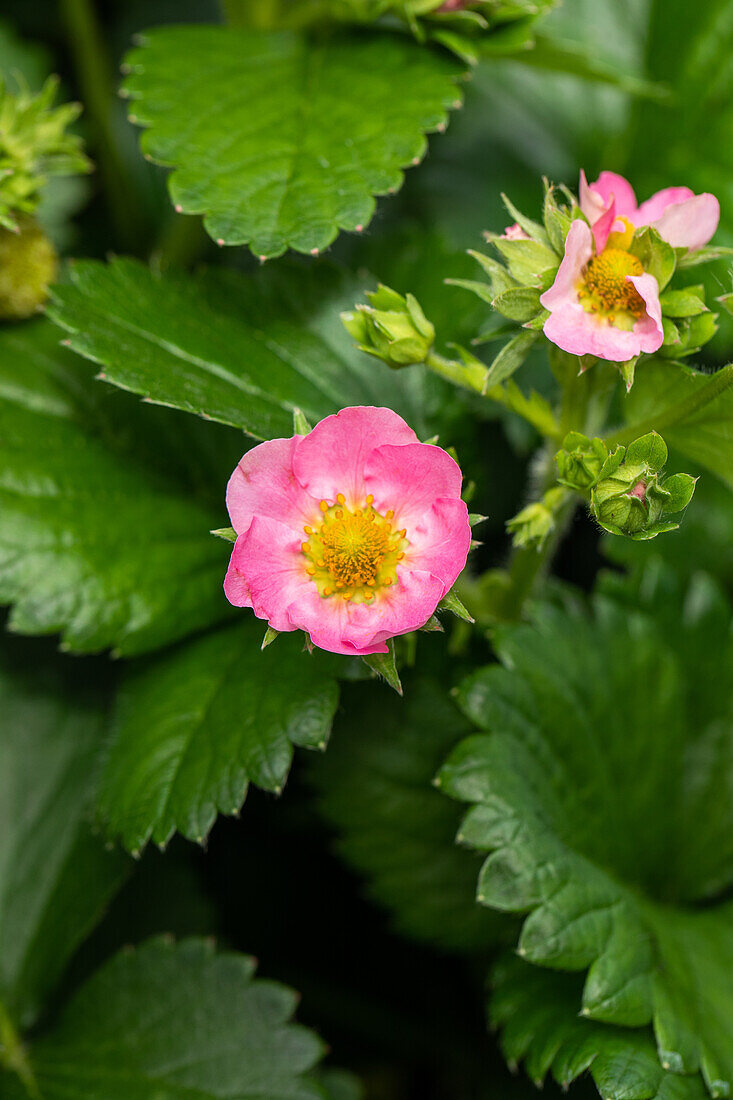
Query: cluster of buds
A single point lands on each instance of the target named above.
(455, 24)
(392, 328)
(628, 493)
(34, 145)
(595, 281)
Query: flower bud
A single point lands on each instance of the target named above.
(392, 328)
(630, 496)
(580, 461)
(533, 525)
(27, 266)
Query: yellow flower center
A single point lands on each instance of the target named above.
(353, 554)
(606, 288)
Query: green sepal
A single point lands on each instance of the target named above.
(226, 533)
(683, 303)
(510, 358)
(499, 278)
(526, 260)
(433, 626)
(657, 257)
(385, 666)
(686, 258)
(300, 423)
(518, 304)
(450, 602)
(270, 635)
(531, 228)
(474, 518)
(558, 219)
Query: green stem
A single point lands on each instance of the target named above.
(97, 89)
(469, 376)
(683, 410)
(584, 400)
(13, 1055)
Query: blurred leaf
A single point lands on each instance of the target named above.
(195, 726)
(703, 430)
(243, 350)
(280, 141)
(375, 789)
(96, 541)
(601, 730)
(55, 877)
(180, 1022)
(537, 1011)
(562, 56)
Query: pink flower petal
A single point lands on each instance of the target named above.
(440, 541)
(653, 208)
(578, 251)
(610, 185)
(264, 484)
(330, 460)
(603, 226)
(592, 203)
(267, 572)
(648, 329)
(582, 333)
(409, 478)
(340, 626)
(689, 224)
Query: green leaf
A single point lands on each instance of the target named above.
(374, 788)
(180, 1022)
(693, 411)
(510, 358)
(243, 350)
(281, 141)
(96, 541)
(193, 727)
(602, 789)
(55, 877)
(537, 1012)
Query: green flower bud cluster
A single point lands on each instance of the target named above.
(535, 523)
(34, 146)
(392, 328)
(630, 497)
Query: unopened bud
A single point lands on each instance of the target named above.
(580, 461)
(392, 328)
(632, 498)
(535, 523)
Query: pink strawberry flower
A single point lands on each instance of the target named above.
(602, 302)
(352, 533)
(682, 218)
